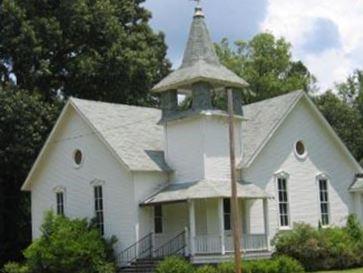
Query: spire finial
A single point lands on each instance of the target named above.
(198, 9)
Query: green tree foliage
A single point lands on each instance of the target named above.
(67, 246)
(95, 49)
(25, 120)
(266, 64)
(345, 119)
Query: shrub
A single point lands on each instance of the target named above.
(227, 267)
(174, 265)
(206, 269)
(322, 249)
(354, 228)
(67, 246)
(280, 264)
(287, 264)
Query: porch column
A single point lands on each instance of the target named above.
(191, 227)
(266, 222)
(221, 225)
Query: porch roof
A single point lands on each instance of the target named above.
(357, 184)
(178, 192)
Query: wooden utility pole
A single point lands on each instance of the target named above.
(234, 200)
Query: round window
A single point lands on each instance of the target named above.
(300, 148)
(77, 157)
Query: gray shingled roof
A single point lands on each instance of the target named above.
(200, 63)
(204, 189)
(131, 131)
(262, 118)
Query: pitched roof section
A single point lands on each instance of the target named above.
(200, 62)
(262, 119)
(131, 131)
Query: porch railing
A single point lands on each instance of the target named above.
(141, 249)
(249, 242)
(213, 244)
(208, 244)
(174, 246)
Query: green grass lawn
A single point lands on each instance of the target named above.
(356, 270)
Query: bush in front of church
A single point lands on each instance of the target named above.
(67, 246)
(280, 264)
(323, 248)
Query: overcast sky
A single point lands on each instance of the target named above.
(327, 35)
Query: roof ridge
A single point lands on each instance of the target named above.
(276, 97)
(113, 103)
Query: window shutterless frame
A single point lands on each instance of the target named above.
(60, 200)
(322, 182)
(98, 203)
(283, 199)
(99, 215)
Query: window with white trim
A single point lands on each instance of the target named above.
(99, 217)
(283, 199)
(158, 219)
(227, 213)
(60, 202)
(324, 201)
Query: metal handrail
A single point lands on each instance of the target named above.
(175, 245)
(141, 249)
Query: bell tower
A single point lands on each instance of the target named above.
(196, 139)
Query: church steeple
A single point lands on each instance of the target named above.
(200, 46)
(200, 71)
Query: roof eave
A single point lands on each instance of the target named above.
(187, 83)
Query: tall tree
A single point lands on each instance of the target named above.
(345, 119)
(266, 64)
(96, 49)
(25, 120)
(351, 90)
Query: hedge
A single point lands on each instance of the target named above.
(323, 248)
(281, 264)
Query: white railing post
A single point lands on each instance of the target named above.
(191, 227)
(266, 222)
(221, 225)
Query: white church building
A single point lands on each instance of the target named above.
(159, 180)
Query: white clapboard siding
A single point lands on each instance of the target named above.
(324, 156)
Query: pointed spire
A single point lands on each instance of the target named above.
(200, 45)
(200, 62)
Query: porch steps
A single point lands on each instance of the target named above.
(144, 265)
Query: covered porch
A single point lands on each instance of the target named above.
(202, 211)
